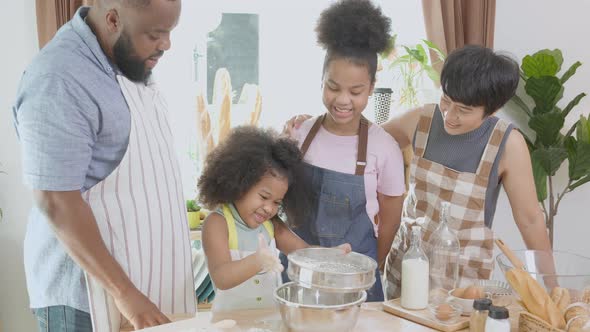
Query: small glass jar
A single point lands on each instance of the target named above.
(497, 320)
(477, 321)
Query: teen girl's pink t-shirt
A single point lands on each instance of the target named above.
(384, 172)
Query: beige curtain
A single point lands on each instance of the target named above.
(52, 14)
(451, 24)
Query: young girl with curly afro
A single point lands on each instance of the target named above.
(246, 179)
(354, 167)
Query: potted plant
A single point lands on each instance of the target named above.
(409, 68)
(194, 213)
(550, 148)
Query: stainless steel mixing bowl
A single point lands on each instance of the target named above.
(304, 309)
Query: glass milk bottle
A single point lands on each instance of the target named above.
(444, 252)
(415, 274)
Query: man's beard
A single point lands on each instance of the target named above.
(130, 64)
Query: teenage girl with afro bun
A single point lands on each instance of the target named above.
(246, 179)
(354, 168)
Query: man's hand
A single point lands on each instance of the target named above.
(139, 310)
(294, 123)
(73, 222)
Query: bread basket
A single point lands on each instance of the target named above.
(528, 322)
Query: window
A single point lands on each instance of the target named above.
(233, 45)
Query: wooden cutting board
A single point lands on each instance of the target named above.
(424, 317)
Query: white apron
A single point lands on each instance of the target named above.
(254, 293)
(139, 209)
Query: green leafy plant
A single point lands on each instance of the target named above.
(411, 66)
(192, 206)
(550, 148)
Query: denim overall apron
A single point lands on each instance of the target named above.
(339, 214)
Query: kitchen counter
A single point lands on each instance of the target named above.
(371, 318)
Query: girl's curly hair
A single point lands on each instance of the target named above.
(356, 30)
(243, 158)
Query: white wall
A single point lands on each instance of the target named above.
(524, 27)
(17, 21)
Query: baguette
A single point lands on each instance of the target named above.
(204, 127)
(221, 86)
(224, 117)
(255, 115)
(561, 297)
(535, 298)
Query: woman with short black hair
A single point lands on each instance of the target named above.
(463, 155)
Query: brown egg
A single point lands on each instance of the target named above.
(473, 292)
(444, 311)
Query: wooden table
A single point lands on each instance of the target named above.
(371, 319)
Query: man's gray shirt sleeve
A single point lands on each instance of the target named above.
(57, 129)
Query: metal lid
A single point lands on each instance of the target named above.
(482, 304)
(330, 269)
(498, 312)
(383, 90)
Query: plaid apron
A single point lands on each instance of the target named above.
(465, 191)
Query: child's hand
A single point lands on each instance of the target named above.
(267, 259)
(344, 247)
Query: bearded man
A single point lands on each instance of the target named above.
(107, 241)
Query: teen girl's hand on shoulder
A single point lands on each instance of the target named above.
(294, 123)
(224, 272)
